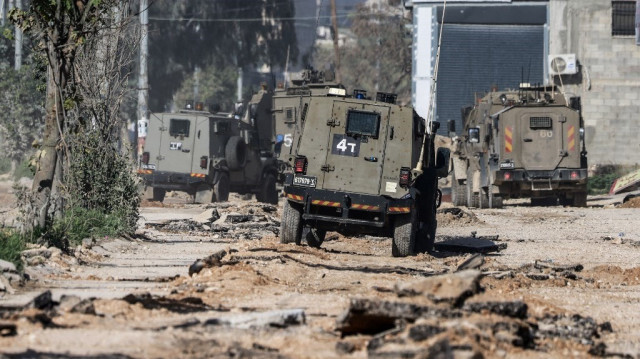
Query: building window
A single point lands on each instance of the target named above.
(623, 22)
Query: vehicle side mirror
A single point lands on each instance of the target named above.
(474, 135)
(442, 162)
(420, 127)
(435, 125)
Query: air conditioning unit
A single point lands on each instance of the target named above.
(563, 64)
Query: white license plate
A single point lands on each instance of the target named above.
(149, 166)
(304, 181)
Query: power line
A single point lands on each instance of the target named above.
(193, 19)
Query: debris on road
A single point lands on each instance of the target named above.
(452, 289)
(214, 260)
(455, 216)
(474, 262)
(184, 305)
(470, 245)
(413, 326)
(249, 221)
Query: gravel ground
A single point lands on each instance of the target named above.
(248, 301)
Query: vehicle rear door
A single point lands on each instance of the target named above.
(541, 139)
(177, 136)
(200, 147)
(356, 145)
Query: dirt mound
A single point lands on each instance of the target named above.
(456, 216)
(631, 203)
(615, 275)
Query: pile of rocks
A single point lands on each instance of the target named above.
(246, 221)
(439, 314)
(9, 277)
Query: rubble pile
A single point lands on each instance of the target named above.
(242, 221)
(9, 276)
(455, 216)
(439, 315)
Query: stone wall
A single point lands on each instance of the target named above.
(609, 79)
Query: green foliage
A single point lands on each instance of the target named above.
(216, 86)
(21, 104)
(600, 184)
(5, 165)
(24, 169)
(78, 223)
(177, 47)
(379, 55)
(11, 244)
(101, 179)
(601, 181)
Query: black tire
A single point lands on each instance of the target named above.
(472, 199)
(291, 223)
(235, 152)
(404, 235)
(580, 199)
(458, 192)
(268, 191)
(498, 202)
(314, 237)
(158, 194)
(544, 201)
(221, 189)
(205, 196)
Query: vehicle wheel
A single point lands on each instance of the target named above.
(565, 201)
(205, 196)
(404, 235)
(580, 199)
(268, 191)
(221, 189)
(496, 202)
(458, 192)
(158, 194)
(544, 201)
(291, 224)
(314, 237)
(472, 199)
(235, 152)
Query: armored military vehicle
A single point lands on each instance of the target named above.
(525, 143)
(290, 108)
(361, 166)
(210, 154)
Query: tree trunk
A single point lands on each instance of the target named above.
(46, 165)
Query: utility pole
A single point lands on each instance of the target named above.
(336, 49)
(143, 79)
(3, 14)
(18, 36)
(378, 41)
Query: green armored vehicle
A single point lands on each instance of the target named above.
(290, 107)
(360, 166)
(525, 143)
(209, 154)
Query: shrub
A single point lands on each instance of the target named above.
(11, 244)
(24, 169)
(78, 223)
(5, 165)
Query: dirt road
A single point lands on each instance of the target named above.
(566, 282)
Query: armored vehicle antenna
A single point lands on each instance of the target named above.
(434, 84)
